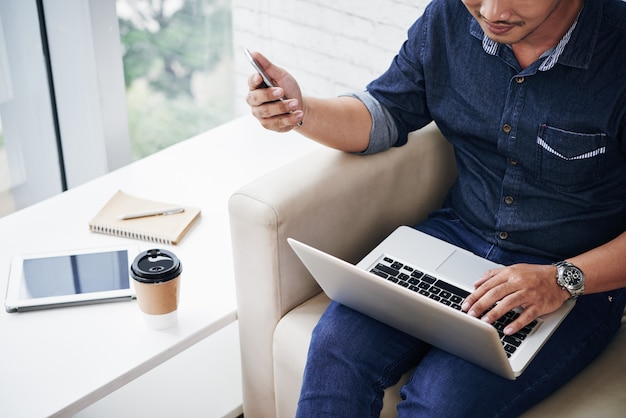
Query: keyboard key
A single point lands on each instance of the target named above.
(417, 274)
(389, 270)
(452, 289)
(429, 279)
(528, 328)
(510, 349)
(521, 335)
(380, 273)
(511, 340)
(396, 265)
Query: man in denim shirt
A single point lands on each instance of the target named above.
(532, 94)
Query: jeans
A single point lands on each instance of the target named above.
(353, 358)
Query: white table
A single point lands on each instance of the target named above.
(57, 362)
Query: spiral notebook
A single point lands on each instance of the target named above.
(163, 229)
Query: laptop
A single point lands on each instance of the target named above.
(417, 283)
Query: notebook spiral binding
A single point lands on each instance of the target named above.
(128, 233)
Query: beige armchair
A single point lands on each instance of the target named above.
(345, 204)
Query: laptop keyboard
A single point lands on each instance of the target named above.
(411, 278)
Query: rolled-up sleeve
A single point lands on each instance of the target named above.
(384, 133)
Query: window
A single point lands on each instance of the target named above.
(114, 73)
(177, 68)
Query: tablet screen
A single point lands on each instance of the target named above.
(75, 274)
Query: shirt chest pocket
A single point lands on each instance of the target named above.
(569, 161)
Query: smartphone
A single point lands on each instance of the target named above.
(266, 79)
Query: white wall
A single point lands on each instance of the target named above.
(330, 46)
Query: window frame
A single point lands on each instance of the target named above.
(88, 77)
(27, 116)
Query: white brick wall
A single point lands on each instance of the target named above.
(330, 46)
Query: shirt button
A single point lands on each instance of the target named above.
(507, 128)
(519, 80)
(508, 200)
(512, 161)
(503, 235)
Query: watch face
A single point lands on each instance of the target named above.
(572, 277)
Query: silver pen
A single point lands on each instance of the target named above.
(157, 212)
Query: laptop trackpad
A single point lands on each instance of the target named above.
(465, 268)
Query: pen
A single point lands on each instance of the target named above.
(167, 211)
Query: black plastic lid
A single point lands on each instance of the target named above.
(155, 266)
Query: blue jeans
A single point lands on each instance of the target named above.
(352, 357)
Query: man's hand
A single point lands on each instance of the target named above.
(277, 108)
(529, 286)
(343, 123)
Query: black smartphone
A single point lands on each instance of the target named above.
(266, 79)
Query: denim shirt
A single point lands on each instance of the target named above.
(541, 151)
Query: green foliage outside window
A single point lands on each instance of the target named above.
(178, 69)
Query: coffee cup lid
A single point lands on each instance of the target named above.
(155, 266)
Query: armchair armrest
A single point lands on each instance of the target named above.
(341, 203)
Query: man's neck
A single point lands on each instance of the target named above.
(548, 35)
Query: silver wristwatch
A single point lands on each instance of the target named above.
(570, 278)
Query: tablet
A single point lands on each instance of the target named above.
(67, 278)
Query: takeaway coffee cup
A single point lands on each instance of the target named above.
(156, 275)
